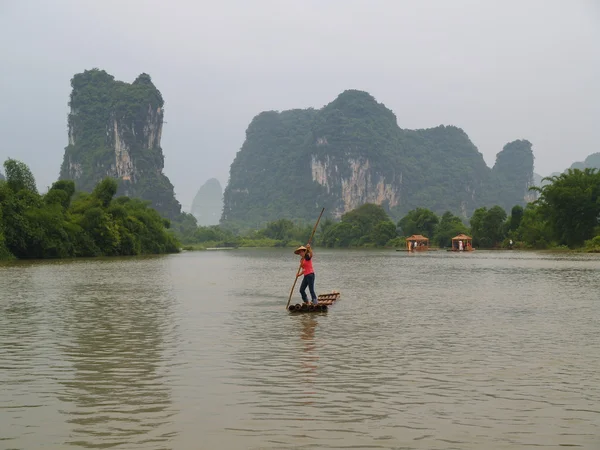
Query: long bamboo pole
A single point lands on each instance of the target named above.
(300, 267)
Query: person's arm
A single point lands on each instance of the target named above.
(309, 252)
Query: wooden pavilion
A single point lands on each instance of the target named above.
(417, 243)
(462, 243)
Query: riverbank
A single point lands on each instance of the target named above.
(216, 246)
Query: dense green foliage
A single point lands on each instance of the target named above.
(63, 223)
(423, 221)
(516, 217)
(279, 233)
(487, 226)
(534, 231)
(352, 152)
(566, 213)
(354, 126)
(447, 172)
(570, 205)
(114, 131)
(19, 176)
(268, 174)
(449, 226)
(4, 252)
(419, 221)
(367, 225)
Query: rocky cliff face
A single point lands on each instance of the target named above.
(352, 152)
(114, 130)
(361, 185)
(208, 203)
(351, 148)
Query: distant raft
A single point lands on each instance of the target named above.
(325, 301)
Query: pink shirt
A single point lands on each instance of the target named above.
(307, 267)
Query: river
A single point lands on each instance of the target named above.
(441, 350)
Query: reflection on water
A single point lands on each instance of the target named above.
(96, 352)
(438, 350)
(115, 344)
(310, 355)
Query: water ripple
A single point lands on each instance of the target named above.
(488, 350)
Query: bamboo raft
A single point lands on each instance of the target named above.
(325, 301)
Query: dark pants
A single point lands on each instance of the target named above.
(308, 281)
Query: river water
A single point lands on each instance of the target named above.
(487, 350)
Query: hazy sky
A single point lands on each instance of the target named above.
(500, 70)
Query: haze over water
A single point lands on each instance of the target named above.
(486, 350)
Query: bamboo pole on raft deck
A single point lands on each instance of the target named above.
(300, 267)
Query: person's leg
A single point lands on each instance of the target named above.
(303, 286)
(311, 287)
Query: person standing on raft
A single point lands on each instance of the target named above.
(307, 270)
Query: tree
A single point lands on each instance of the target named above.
(570, 204)
(342, 234)
(324, 230)
(494, 224)
(105, 191)
(54, 226)
(368, 224)
(419, 221)
(208, 234)
(383, 232)
(185, 226)
(18, 176)
(449, 226)
(487, 226)
(516, 215)
(279, 230)
(61, 192)
(4, 252)
(365, 217)
(477, 228)
(534, 229)
(18, 199)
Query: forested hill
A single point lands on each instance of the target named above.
(511, 174)
(208, 203)
(115, 130)
(2, 176)
(592, 161)
(352, 152)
